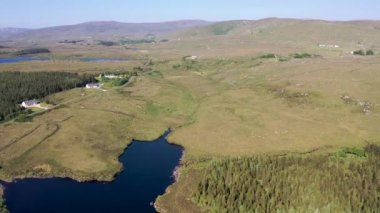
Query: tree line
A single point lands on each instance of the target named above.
(32, 51)
(293, 183)
(363, 52)
(3, 207)
(16, 87)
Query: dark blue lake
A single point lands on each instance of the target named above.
(20, 59)
(148, 171)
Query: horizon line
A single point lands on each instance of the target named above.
(195, 19)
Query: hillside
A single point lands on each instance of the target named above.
(305, 33)
(104, 29)
(205, 39)
(10, 31)
(363, 32)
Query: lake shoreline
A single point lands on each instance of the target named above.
(115, 177)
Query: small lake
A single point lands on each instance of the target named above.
(20, 59)
(148, 170)
(102, 59)
(27, 58)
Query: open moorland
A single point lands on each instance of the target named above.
(275, 93)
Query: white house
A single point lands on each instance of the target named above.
(191, 57)
(29, 103)
(328, 46)
(93, 86)
(111, 76)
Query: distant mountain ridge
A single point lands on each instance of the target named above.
(359, 33)
(9, 31)
(101, 29)
(267, 30)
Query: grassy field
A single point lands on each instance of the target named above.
(74, 140)
(249, 107)
(290, 106)
(230, 103)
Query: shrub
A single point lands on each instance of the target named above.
(23, 117)
(3, 207)
(283, 59)
(32, 51)
(137, 41)
(269, 55)
(359, 52)
(187, 65)
(352, 151)
(70, 41)
(302, 55)
(370, 52)
(108, 43)
(363, 52)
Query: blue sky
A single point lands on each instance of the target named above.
(43, 13)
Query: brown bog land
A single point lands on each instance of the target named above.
(231, 101)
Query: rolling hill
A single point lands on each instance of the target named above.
(270, 29)
(361, 33)
(10, 31)
(102, 29)
(272, 35)
(208, 39)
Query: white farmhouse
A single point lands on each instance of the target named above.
(328, 46)
(111, 76)
(29, 103)
(191, 57)
(93, 86)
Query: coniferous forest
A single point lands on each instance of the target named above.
(16, 87)
(293, 183)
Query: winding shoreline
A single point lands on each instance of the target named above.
(118, 178)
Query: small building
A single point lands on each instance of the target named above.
(328, 46)
(111, 76)
(191, 57)
(93, 86)
(29, 103)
